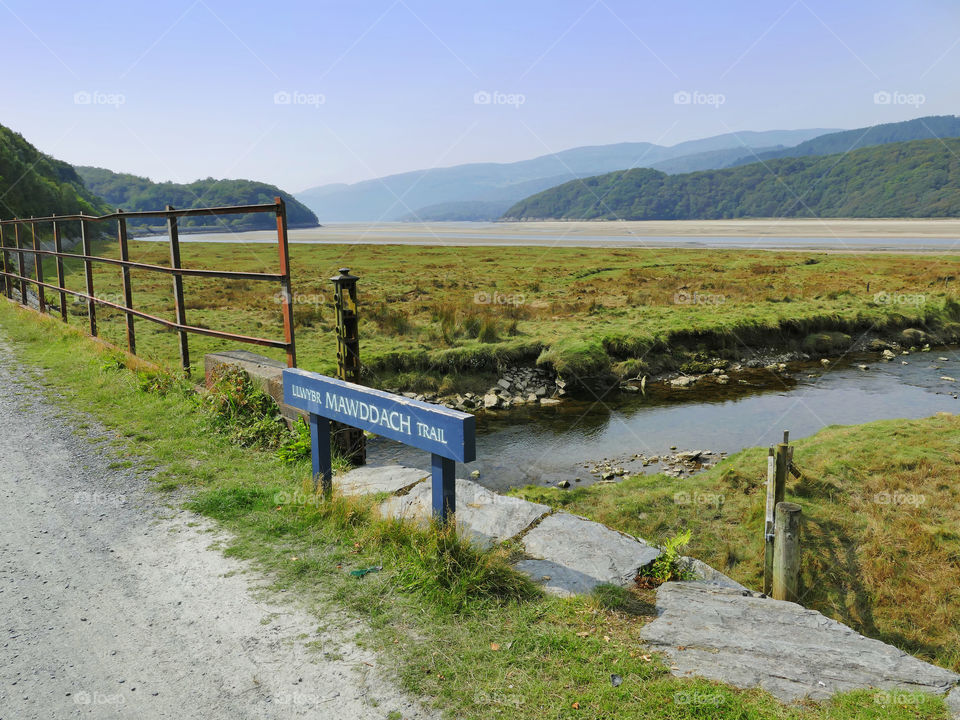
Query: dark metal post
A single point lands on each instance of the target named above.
(285, 291)
(21, 265)
(88, 272)
(350, 441)
(178, 290)
(58, 248)
(320, 454)
(6, 264)
(38, 269)
(444, 487)
(125, 276)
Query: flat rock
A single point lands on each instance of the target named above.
(368, 480)
(571, 555)
(742, 639)
(704, 573)
(482, 515)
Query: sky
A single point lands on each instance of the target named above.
(305, 93)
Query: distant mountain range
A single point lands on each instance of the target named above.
(485, 190)
(132, 192)
(920, 178)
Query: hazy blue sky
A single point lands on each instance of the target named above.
(302, 93)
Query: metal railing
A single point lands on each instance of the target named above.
(176, 271)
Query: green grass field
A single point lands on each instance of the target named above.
(459, 627)
(434, 316)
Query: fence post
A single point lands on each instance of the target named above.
(178, 290)
(786, 561)
(21, 266)
(6, 263)
(38, 269)
(780, 480)
(58, 248)
(286, 297)
(125, 277)
(349, 440)
(88, 273)
(768, 529)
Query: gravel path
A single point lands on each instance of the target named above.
(114, 605)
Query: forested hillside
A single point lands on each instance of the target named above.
(35, 184)
(131, 192)
(912, 179)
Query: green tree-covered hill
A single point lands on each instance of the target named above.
(908, 179)
(35, 184)
(131, 192)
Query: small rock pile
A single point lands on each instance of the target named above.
(524, 386)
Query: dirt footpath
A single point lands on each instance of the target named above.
(114, 605)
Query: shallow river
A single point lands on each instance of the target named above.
(545, 445)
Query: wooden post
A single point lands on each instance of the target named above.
(125, 277)
(786, 558)
(6, 264)
(768, 530)
(21, 266)
(286, 298)
(178, 290)
(780, 478)
(38, 269)
(58, 248)
(349, 441)
(320, 454)
(88, 273)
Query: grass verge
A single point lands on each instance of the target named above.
(459, 627)
(880, 535)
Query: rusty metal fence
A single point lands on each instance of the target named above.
(12, 275)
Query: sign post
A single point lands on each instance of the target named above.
(449, 435)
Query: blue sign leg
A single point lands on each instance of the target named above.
(444, 488)
(320, 453)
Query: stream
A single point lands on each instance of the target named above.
(545, 445)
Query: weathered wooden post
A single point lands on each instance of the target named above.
(88, 275)
(38, 268)
(125, 279)
(349, 440)
(58, 248)
(179, 307)
(786, 557)
(782, 466)
(768, 530)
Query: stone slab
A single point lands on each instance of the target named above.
(482, 515)
(576, 555)
(745, 640)
(704, 573)
(368, 480)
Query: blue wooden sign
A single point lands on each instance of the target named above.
(449, 435)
